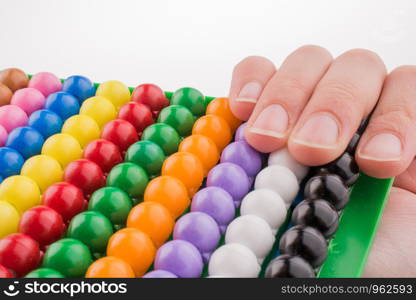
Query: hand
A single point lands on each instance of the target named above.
(313, 104)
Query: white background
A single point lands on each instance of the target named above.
(193, 43)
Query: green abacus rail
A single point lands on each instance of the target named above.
(349, 249)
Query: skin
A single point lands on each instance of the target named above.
(332, 96)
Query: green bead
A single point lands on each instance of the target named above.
(69, 257)
(179, 117)
(191, 99)
(164, 135)
(44, 273)
(112, 202)
(146, 154)
(92, 228)
(129, 177)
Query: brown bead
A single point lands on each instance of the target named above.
(5, 95)
(14, 78)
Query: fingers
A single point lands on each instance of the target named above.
(284, 97)
(392, 254)
(249, 78)
(348, 91)
(388, 145)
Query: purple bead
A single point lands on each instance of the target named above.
(232, 178)
(239, 134)
(217, 203)
(160, 274)
(181, 258)
(242, 154)
(200, 230)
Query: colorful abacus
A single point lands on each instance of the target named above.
(116, 171)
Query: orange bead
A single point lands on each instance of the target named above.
(187, 168)
(153, 219)
(134, 247)
(170, 192)
(109, 267)
(204, 148)
(221, 108)
(214, 127)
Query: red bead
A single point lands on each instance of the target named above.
(5, 273)
(20, 253)
(85, 174)
(150, 95)
(65, 198)
(138, 114)
(121, 133)
(43, 224)
(104, 153)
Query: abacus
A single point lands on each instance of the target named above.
(111, 181)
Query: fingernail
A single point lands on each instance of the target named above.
(272, 121)
(250, 92)
(319, 131)
(382, 147)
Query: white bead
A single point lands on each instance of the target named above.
(283, 158)
(279, 179)
(252, 232)
(267, 205)
(233, 260)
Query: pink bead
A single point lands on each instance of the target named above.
(28, 99)
(12, 116)
(3, 136)
(45, 82)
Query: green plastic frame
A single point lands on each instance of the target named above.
(349, 249)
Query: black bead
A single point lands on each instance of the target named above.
(286, 266)
(328, 187)
(306, 242)
(344, 166)
(319, 214)
(353, 144)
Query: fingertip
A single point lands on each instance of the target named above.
(310, 155)
(381, 169)
(242, 110)
(263, 141)
(249, 78)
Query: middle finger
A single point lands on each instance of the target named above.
(344, 96)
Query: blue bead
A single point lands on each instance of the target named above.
(11, 162)
(26, 140)
(63, 104)
(46, 122)
(79, 86)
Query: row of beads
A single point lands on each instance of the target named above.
(197, 234)
(132, 250)
(250, 237)
(63, 200)
(20, 192)
(126, 181)
(304, 247)
(46, 108)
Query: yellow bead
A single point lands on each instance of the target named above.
(9, 219)
(63, 147)
(115, 91)
(83, 128)
(21, 191)
(36, 166)
(100, 109)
